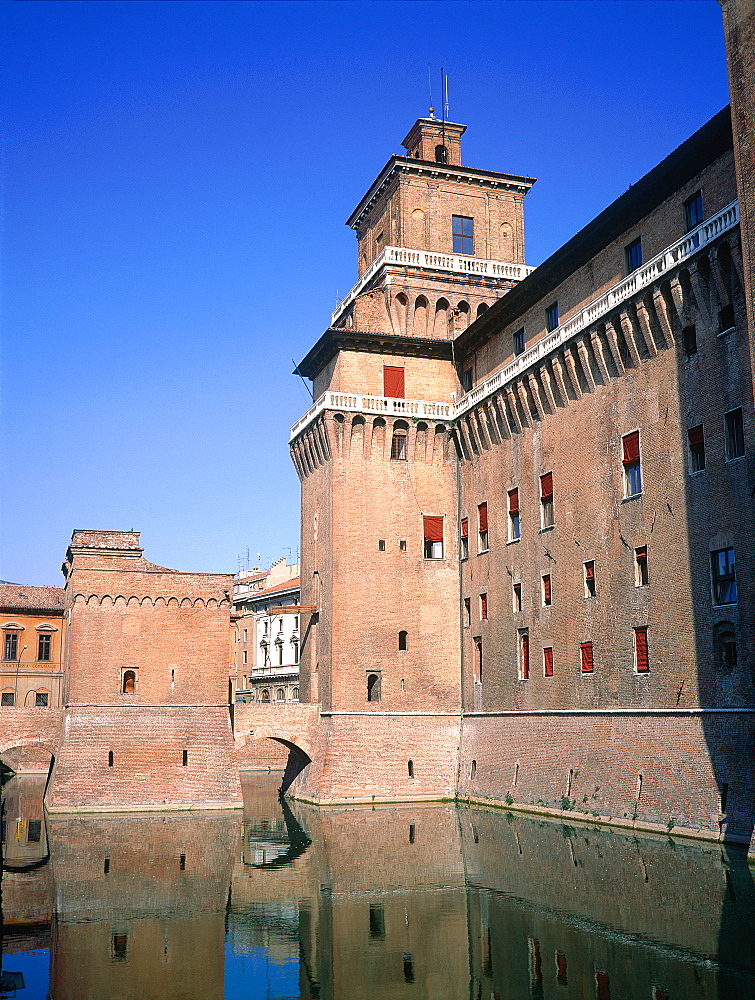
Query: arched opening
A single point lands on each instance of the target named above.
(280, 695)
(410, 768)
(265, 695)
(441, 319)
(441, 153)
(373, 687)
(482, 308)
(403, 640)
(419, 328)
(129, 682)
(399, 441)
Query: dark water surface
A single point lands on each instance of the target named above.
(391, 902)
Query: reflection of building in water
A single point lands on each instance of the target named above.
(141, 905)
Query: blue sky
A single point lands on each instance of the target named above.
(174, 182)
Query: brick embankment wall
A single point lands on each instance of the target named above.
(147, 771)
(590, 765)
(29, 736)
(258, 730)
(365, 758)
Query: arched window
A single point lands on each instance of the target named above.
(42, 699)
(265, 695)
(725, 646)
(403, 638)
(373, 687)
(280, 695)
(441, 154)
(129, 682)
(295, 694)
(483, 307)
(410, 768)
(398, 442)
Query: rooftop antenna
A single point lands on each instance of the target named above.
(445, 101)
(444, 106)
(430, 88)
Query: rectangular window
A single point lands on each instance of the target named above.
(693, 211)
(433, 535)
(548, 661)
(546, 500)
(464, 547)
(393, 382)
(519, 342)
(551, 317)
(244, 656)
(8, 699)
(34, 833)
(467, 612)
(398, 445)
(633, 255)
(44, 647)
(482, 515)
(41, 699)
(724, 577)
(696, 441)
(483, 607)
(641, 566)
(547, 590)
(641, 662)
(726, 319)
(463, 234)
(10, 651)
(514, 523)
(467, 379)
(524, 656)
(589, 578)
(517, 597)
(585, 658)
(245, 633)
(478, 659)
(735, 435)
(631, 459)
(689, 340)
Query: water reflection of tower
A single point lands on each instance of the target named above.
(141, 904)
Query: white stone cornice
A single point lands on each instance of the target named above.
(426, 260)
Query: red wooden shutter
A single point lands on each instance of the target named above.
(548, 661)
(482, 511)
(547, 589)
(513, 501)
(433, 528)
(546, 486)
(641, 553)
(586, 654)
(525, 656)
(465, 527)
(631, 444)
(589, 571)
(483, 606)
(393, 382)
(696, 437)
(641, 650)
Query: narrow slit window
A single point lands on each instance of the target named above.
(696, 440)
(735, 437)
(547, 594)
(185, 758)
(403, 640)
(546, 500)
(586, 658)
(641, 577)
(483, 607)
(482, 515)
(631, 461)
(641, 661)
(548, 661)
(467, 612)
(524, 656)
(514, 522)
(590, 578)
(517, 594)
(726, 319)
(464, 539)
(551, 317)
(724, 577)
(689, 340)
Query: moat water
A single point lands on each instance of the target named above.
(411, 901)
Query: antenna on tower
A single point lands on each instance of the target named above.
(445, 100)
(444, 109)
(430, 88)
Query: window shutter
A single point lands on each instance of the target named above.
(525, 657)
(696, 437)
(586, 654)
(433, 528)
(393, 382)
(641, 650)
(631, 445)
(641, 554)
(483, 606)
(590, 572)
(513, 501)
(547, 589)
(465, 527)
(546, 486)
(482, 511)
(548, 661)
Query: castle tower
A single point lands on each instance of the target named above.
(437, 243)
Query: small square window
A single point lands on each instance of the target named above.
(41, 699)
(546, 586)
(519, 342)
(548, 661)
(8, 699)
(589, 578)
(693, 210)
(735, 436)
(463, 234)
(402, 545)
(631, 461)
(551, 317)
(641, 566)
(633, 255)
(689, 340)
(724, 577)
(517, 594)
(586, 658)
(514, 522)
(483, 607)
